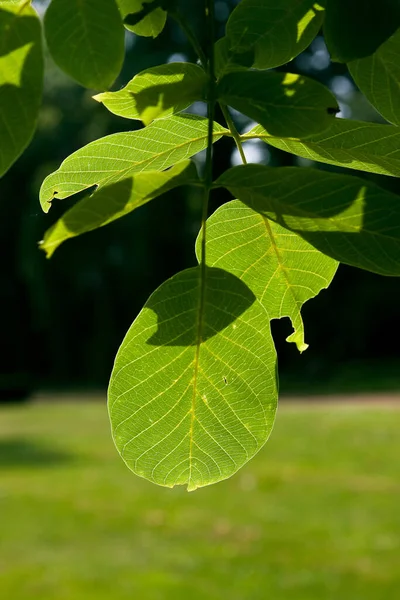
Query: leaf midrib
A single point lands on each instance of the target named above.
(119, 174)
(196, 361)
(322, 145)
(280, 261)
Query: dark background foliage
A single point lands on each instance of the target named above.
(63, 319)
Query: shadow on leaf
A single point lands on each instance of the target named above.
(345, 217)
(158, 99)
(177, 303)
(21, 70)
(115, 201)
(158, 92)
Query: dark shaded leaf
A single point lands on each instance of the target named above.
(276, 31)
(21, 79)
(356, 28)
(285, 104)
(86, 40)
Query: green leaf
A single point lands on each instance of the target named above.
(149, 20)
(356, 28)
(118, 156)
(227, 61)
(21, 79)
(378, 77)
(115, 201)
(352, 144)
(193, 392)
(281, 269)
(345, 217)
(86, 40)
(285, 104)
(277, 31)
(157, 92)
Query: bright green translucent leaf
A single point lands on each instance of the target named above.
(151, 25)
(285, 104)
(86, 40)
(356, 28)
(281, 269)
(21, 79)
(345, 217)
(116, 157)
(352, 144)
(157, 92)
(193, 392)
(378, 77)
(115, 201)
(277, 31)
(9, 3)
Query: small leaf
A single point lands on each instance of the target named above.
(193, 392)
(86, 40)
(352, 144)
(281, 269)
(21, 79)
(285, 104)
(276, 31)
(116, 157)
(157, 92)
(115, 201)
(345, 217)
(356, 28)
(378, 77)
(143, 17)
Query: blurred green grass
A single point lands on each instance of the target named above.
(316, 515)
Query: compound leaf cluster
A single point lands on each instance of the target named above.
(193, 393)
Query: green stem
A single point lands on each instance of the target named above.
(184, 25)
(234, 132)
(211, 100)
(208, 177)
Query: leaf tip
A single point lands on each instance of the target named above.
(48, 251)
(298, 339)
(98, 97)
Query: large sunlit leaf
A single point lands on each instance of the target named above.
(21, 79)
(276, 31)
(116, 157)
(281, 269)
(86, 40)
(115, 201)
(193, 392)
(378, 77)
(143, 17)
(356, 28)
(345, 217)
(352, 144)
(285, 104)
(157, 92)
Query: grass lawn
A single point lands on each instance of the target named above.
(316, 515)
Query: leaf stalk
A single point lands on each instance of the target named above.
(235, 134)
(184, 25)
